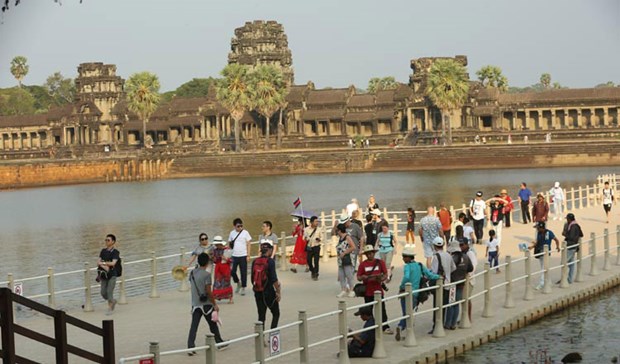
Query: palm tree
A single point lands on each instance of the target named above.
(378, 84)
(268, 93)
(491, 76)
(545, 80)
(234, 94)
(19, 68)
(143, 97)
(447, 88)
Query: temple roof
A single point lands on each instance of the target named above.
(18, 121)
(183, 104)
(385, 114)
(362, 100)
(323, 114)
(562, 96)
(328, 96)
(360, 116)
(296, 94)
(385, 97)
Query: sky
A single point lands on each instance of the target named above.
(334, 43)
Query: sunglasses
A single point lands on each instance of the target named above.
(108, 239)
(204, 239)
(239, 226)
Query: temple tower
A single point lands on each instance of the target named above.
(98, 82)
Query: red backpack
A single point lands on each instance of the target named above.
(259, 274)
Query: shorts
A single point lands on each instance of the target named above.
(428, 250)
(607, 207)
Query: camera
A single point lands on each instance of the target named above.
(204, 298)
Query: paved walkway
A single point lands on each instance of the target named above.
(166, 319)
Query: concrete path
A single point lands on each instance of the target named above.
(166, 319)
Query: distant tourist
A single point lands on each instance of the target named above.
(267, 289)
(471, 254)
(445, 217)
(524, 202)
(312, 236)
(356, 234)
(548, 138)
(477, 139)
(239, 241)
(108, 271)
(353, 205)
(508, 206)
(509, 138)
(525, 139)
(484, 140)
(608, 199)
(221, 254)
(478, 211)
(372, 204)
(363, 344)
(355, 218)
(410, 235)
(468, 230)
(346, 260)
(572, 234)
(463, 267)
(543, 237)
(496, 214)
(492, 252)
(370, 230)
(203, 302)
(350, 143)
(540, 209)
(385, 244)
(202, 247)
(443, 265)
(373, 272)
(557, 195)
(268, 234)
(299, 256)
(430, 228)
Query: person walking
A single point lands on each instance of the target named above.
(202, 247)
(507, 207)
(524, 203)
(463, 267)
(386, 249)
(268, 234)
(471, 254)
(540, 209)
(312, 235)
(478, 210)
(345, 249)
(430, 228)
(496, 214)
(222, 289)
(492, 252)
(372, 272)
(372, 204)
(410, 235)
(608, 199)
(543, 237)
(557, 195)
(203, 302)
(299, 256)
(108, 271)
(370, 230)
(571, 233)
(445, 217)
(443, 265)
(239, 241)
(265, 284)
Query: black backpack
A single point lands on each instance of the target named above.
(424, 283)
(119, 268)
(463, 266)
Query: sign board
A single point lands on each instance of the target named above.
(147, 361)
(274, 343)
(18, 288)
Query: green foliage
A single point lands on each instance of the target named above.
(195, 88)
(61, 89)
(19, 68)
(167, 96)
(491, 76)
(143, 96)
(268, 93)
(606, 84)
(378, 84)
(42, 100)
(233, 92)
(16, 101)
(545, 80)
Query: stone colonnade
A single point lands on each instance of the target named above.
(559, 118)
(24, 140)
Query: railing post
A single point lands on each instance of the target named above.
(88, 300)
(438, 330)
(303, 337)
(580, 198)
(565, 202)
(509, 302)
(579, 264)
(572, 194)
(325, 246)
(8, 333)
(465, 323)
(606, 263)
(343, 329)
(617, 244)
(184, 286)
(379, 351)
(60, 334)
(593, 267)
(259, 350)
(410, 337)
(547, 278)
(210, 351)
(588, 204)
(11, 286)
(122, 297)
(529, 294)
(51, 299)
(564, 263)
(154, 293)
(283, 252)
(395, 230)
(486, 310)
(154, 349)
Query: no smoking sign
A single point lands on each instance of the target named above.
(18, 288)
(274, 343)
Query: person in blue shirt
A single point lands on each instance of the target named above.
(524, 200)
(413, 274)
(363, 344)
(543, 237)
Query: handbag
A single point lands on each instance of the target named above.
(308, 247)
(346, 260)
(360, 288)
(202, 296)
(232, 242)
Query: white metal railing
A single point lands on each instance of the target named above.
(439, 290)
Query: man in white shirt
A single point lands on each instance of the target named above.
(239, 240)
(557, 194)
(478, 210)
(354, 205)
(608, 199)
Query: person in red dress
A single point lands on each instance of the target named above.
(222, 289)
(299, 256)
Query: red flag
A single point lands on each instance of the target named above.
(297, 202)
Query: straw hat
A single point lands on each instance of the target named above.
(503, 192)
(217, 240)
(266, 242)
(344, 218)
(376, 212)
(408, 250)
(368, 248)
(179, 273)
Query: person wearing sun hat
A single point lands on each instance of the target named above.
(222, 289)
(355, 232)
(507, 206)
(372, 272)
(363, 344)
(443, 265)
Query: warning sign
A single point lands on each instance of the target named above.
(147, 361)
(274, 343)
(18, 288)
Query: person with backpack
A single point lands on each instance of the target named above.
(572, 233)
(108, 269)
(443, 265)
(386, 249)
(414, 273)
(463, 267)
(266, 285)
(544, 237)
(473, 258)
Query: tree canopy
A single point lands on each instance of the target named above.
(378, 84)
(491, 76)
(143, 97)
(19, 68)
(16, 101)
(545, 80)
(61, 89)
(267, 92)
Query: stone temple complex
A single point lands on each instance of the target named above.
(313, 117)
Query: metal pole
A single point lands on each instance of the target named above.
(283, 252)
(438, 330)
(211, 349)
(588, 204)
(88, 300)
(304, 355)
(580, 198)
(565, 202)
(486, 310)
(606, 260)
(122, 298)
(529, 294)
(465, 323)
(51, 299)
(379, 351)
(184, 286)
(410, 338)
(509, 302)
(154, 293)
(564, 263)
(343, 358)
(325, 246)
(259, 350)
(579, 265)
(572, 194)
(154, 349)
(593, 268)
(547, 278)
